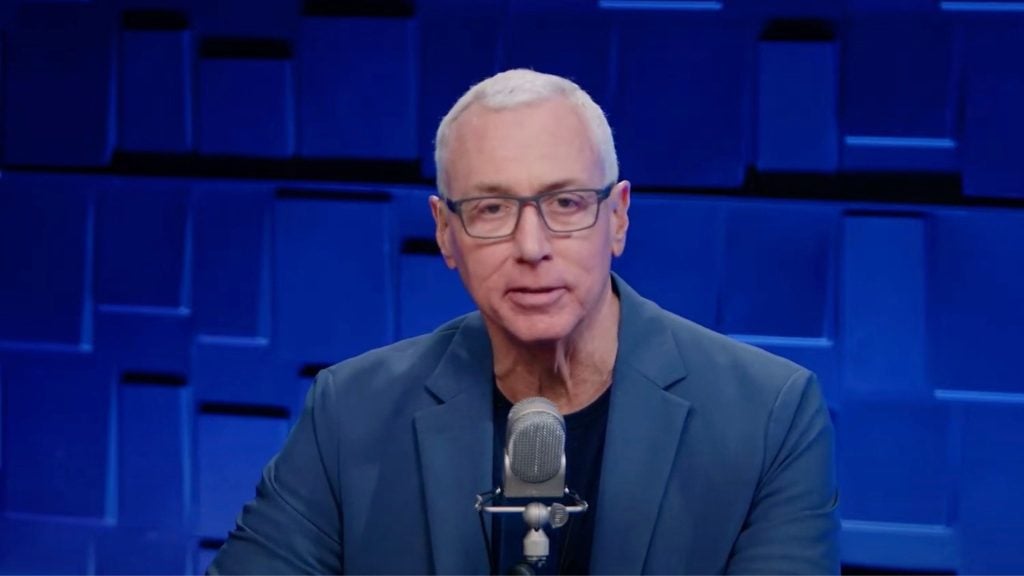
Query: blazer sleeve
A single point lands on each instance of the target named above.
(294, 524)
(792, 526)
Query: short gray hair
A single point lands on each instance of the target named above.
(520, 87)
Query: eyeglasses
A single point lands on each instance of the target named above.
(492, 217)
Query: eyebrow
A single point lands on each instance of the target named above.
(488, 188)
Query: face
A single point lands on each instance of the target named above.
(536, 286)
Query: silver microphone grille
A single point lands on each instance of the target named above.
(535, 440)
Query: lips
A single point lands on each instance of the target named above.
(536, 296)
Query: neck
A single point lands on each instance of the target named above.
(572, 372)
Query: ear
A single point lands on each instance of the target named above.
(442, 232)
(619, 201)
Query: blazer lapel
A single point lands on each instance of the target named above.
(645, 424)
(455, 441)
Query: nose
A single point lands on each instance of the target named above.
(531, 236)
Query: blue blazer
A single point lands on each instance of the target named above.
(718, 458)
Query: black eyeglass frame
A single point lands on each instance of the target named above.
(602, 194)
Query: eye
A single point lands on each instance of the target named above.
(490, 208)
(567, 201)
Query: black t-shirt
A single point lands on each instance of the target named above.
(584, 449)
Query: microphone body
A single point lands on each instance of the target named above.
(535, 450)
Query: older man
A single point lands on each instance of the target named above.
(697, 454)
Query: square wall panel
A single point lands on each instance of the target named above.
(884, 336)
(894, 462)
(232, 260)
(673, 254)
(357, 88)
(46, 546)
(797, 106)
(778, 270)
(143, 242)
(155, 100)
(333, 276)
(681, 111)
(429, 294)
(58, 446)
(59, 86)
(46, 229)
(232, 451)
(976, 300)
(246, 107)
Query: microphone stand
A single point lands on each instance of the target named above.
(536, 515)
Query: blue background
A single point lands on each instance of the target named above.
(202, 203)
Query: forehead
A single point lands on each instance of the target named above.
(521, 149)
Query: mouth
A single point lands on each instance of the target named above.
(536, 296)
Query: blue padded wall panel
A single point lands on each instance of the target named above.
(681, 110)
(429, 294)
(575, 44)
(334, 285)
(976, 300)
(458, 48)
(231, 278)
(357, 88)
(144, 342)
(46, 547)
(246, 107)
(679, 271)
(154, 457)
(142, 247)
(797, 117)
(64, 470)
(777, 271)
(128, 552)
(994, 118)
(59, 82)
(894, 462)
(900, 94)
(882, 307)
(991, 513)
(155, 99)
(232, 451)
(244, 18)
(46, 228)
(236, 370)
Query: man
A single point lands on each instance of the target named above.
(697, 454)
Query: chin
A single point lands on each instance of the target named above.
(540, 329)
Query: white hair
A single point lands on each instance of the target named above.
(520, 87)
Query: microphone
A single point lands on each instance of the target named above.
(534, 450)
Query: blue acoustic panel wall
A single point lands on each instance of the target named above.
(357, 88)
(976, 300)
(244, 18)
(894, 462)
(797, 117)
(232, 451)
(993, 116)
(575, 43)
(334, 285)
(991, 513)
(458, 48)
(46, 228)
(150, 341)
(246, 107)
(777, 274)
(679, 271)
(231, 356)
(787, 8)
(66, 468)
(681, 111)
(59, 81)
(46, 547)
(154, 454)
(231, 276)
(900, 94)
(429, 294)
(121, 551)
(155, 98)
(143, 245)
(883, 307)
